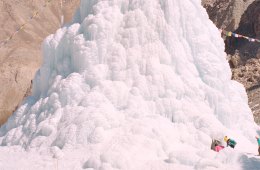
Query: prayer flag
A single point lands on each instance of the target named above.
(229, 33)
(252, 39)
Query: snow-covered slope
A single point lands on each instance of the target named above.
(133, 84)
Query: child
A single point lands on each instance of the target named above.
(230, 142)
(218, 147)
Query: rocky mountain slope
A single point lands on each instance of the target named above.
(242, 17)
(226, 13)
(21, 57)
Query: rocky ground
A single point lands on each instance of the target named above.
(21, 57)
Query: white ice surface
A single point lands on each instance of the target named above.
(132, 85)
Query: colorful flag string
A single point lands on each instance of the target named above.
(231, 34)
(21, 27)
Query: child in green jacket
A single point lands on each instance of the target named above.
(230, 142)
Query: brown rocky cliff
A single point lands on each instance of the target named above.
(21, 57)
(226, 14)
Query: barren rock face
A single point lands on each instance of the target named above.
(256, 17)
(226, 13)
(249, 26)
(248, 74)
(21, 57)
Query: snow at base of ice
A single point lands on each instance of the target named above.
(132, 84)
